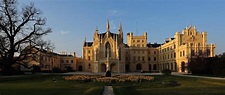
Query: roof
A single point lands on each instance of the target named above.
(88, 44)
(155, 45)
(126, 45)
(113, 35)
(66, 55)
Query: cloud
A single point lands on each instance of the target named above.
(64, 32)
(113, 13)
(112, 25)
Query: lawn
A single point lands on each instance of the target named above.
(161, 85)
(173, 85)
(45, 85)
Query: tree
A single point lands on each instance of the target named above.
(21, 29)
(200, 63)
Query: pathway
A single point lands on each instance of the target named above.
(108, 90)
(194, 76)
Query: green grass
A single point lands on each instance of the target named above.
(173, 85)
(162, 85)
(44, 85)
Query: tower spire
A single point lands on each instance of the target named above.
(120, 27)
(107, 25)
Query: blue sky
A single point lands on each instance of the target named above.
(72, 20)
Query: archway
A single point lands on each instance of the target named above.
(171, 66)
(103, 67)
(138, 67)
(127, 67)
(183, 67)
(154, 67)
(175, 66)
(149, 67)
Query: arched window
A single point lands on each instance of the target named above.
(107, 50)
(89, 66)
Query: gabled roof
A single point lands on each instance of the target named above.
(102, 35)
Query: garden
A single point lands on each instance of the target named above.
(122, 85)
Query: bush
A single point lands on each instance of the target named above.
(69, 69)
(166, 72)
(36, 68)
(56, 70)
(108, 74)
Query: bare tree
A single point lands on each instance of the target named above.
(21, 29)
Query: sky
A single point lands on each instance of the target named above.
(73, 20)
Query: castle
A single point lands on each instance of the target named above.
(109, 52)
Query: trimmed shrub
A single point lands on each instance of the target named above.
(108, 74)
(56, 70)
(166, 72)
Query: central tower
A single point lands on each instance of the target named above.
(104, 53)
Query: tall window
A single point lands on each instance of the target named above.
(107, 50)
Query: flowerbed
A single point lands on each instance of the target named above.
(121, 78)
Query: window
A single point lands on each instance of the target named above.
(62, 61)
(139, 58)
(154, 58)
(67, 61)
(174, 55)
(134, 58)
(183, 53)
(143, 58)
(192, 52)
(154, 52)
(89, 57)
(71, 61)
(133, 41)
(89, 51)
(89, 66)
(107, 50)
(138, 45)
(138, 40)
(149, 58)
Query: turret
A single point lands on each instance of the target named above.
(120, 31)
(178, 39)
(95, 34)
(204, 38)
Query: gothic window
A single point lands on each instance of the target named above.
(107, 50)
(89, 66)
